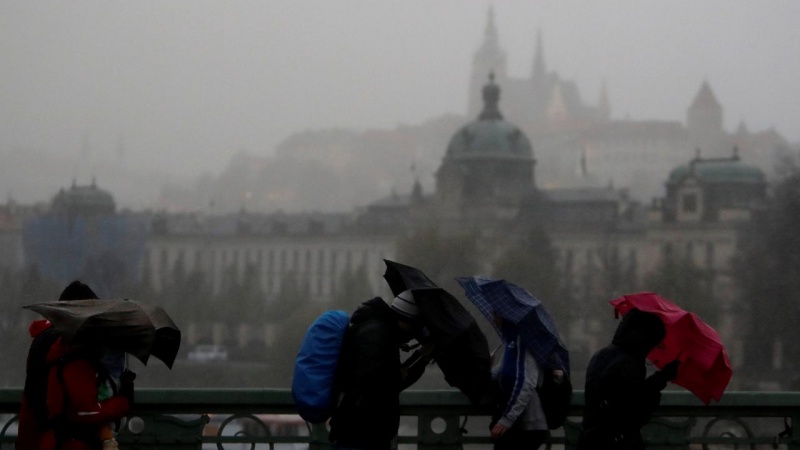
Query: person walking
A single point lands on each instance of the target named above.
(519, 422)
(60, 409)
(619, 397)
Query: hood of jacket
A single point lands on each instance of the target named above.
(639, 333)
(373, 309)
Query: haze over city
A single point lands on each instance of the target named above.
(176, 89)
(247, 165)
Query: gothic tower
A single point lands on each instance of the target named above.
(704, 121)
(489, 58)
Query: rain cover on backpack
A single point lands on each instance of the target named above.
(315, 366)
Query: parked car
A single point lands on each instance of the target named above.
(208, 352)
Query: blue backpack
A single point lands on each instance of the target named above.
(313, 387)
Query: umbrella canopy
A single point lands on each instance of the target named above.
(401, 277)
(518, 306)
(461, 349)
(136, 328)
(705, 369)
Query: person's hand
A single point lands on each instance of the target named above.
(498, 430)
(426, 351)
(558, 376)
(126, 384)
(670, 370)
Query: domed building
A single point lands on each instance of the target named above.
(83, 236)
(83, 201)
(488, 167)
(713, 190)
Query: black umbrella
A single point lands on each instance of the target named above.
(461, 348)
(136, 328)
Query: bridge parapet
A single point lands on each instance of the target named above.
(233, 419)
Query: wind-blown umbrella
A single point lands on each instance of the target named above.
(515, 304)
(136, 328)
(460, 347)
(705, 369)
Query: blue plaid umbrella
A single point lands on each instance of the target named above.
(515, 304)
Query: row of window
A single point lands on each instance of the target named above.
(313, 266)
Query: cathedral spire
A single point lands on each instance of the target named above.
(491, 29)
(491, 39)
(489, 58)
(539, 69)
(603, 104)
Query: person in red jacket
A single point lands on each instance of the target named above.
(60, 408)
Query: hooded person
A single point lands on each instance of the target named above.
(519, 420)
(619, 397)
(370, 374)
(60, 409)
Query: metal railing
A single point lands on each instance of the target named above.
(265, 418)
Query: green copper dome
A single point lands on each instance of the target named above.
(711, 171)
(490, 136)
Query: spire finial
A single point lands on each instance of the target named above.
(491, 29)
(538, 58)
(491, 99)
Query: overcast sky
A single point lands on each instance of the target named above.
(184, 84)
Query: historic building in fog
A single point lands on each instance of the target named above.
(580, 142)
(531, 153)
(487, 185)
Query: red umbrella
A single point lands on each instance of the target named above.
(705, 369)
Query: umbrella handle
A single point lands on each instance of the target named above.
(408, 348)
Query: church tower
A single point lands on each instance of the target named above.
(489, 58)
(704, 121)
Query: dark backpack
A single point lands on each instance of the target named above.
(313, 384)
(38, 372)
(37, 376)
(556, 399)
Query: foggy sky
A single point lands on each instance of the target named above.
(182, 85)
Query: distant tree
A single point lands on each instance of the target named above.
(143, 289)
(20, 287)
(612, 275)
(617, 273)
(532, 263)
(174, 287)
(107, 275)
(767, 272)
(352, 289)
(242, 296)
(442, 258)
(678, 279)
(195, 298)
(293, 294)
(291, 331)
(253, 296)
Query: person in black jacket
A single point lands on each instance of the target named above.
(370, 374)
(620, 399)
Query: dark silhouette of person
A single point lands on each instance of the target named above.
(619, 397)
(60, 409)
(370, 374)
